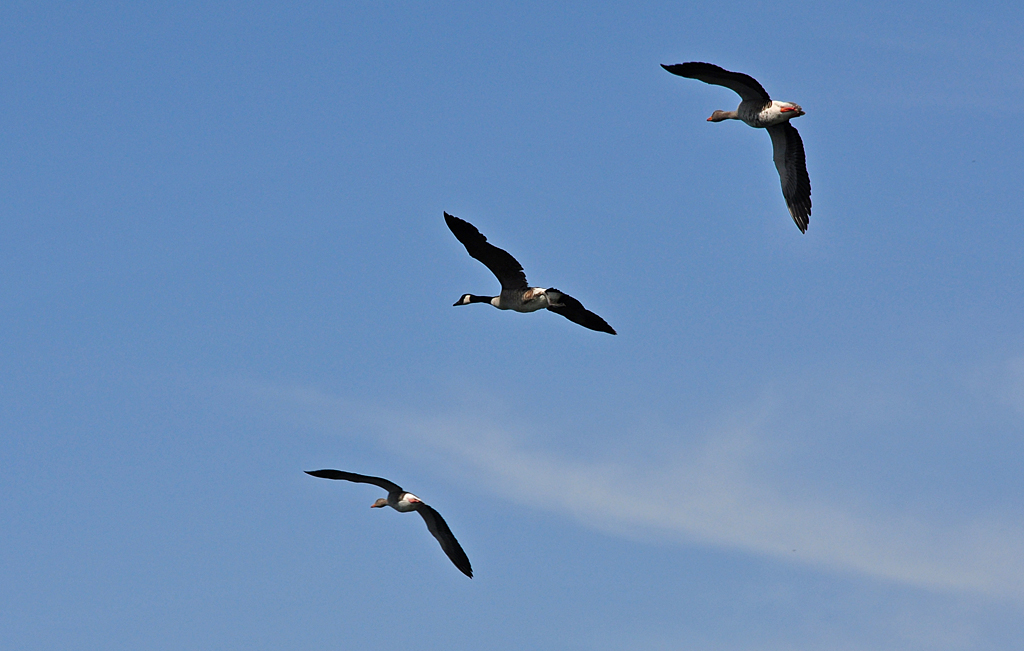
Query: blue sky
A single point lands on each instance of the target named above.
(225, 263)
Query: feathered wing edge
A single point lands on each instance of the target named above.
(389, 486)
(502, 264)
(573, 310)
(788, 152)
(743, 85)
(439, 529)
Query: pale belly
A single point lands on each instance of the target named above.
(516, 302)
(760, 118)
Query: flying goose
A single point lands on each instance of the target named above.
(759, 111)
(516, 293)
(402, 501)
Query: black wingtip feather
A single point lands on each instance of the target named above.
(444, 536)
(746, 86)
(505, 268)
(573, 310)
(693, 68)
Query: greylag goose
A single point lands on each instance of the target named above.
(516, 293)
(758, 110)
(402, 501)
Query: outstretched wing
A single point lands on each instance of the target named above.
(573, 310)
(745, 86)
(439, 529)
(788, 151)
(501, 263)
(389, 486)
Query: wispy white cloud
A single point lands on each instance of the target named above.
(715, 494)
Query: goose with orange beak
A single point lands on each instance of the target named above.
(758, 110)
(404, 502)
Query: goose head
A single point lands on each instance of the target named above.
(718, 116)
(379, 504)
(470, 298)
